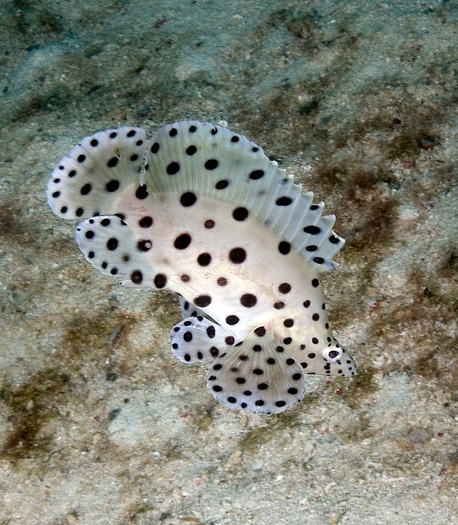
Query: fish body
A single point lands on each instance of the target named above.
(202, 211)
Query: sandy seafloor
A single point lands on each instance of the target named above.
(99, 423)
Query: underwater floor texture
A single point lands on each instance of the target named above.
(99, 422)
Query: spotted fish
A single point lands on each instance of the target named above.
(203, 212)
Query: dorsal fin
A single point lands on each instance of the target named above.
(213, 162)
(91, 178)
(191, 156)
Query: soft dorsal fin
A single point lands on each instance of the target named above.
(218, 164)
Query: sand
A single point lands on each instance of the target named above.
(99, 423)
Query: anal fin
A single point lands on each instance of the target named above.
(257, 375)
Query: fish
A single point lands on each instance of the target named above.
(201, 211)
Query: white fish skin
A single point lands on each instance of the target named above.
(209, 217)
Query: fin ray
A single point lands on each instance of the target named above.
(91, 178)
(197, 340)
(112, 248)
(218, 164)
(257, 375)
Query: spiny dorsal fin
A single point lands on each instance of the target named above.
(92, 177)
(192, 156)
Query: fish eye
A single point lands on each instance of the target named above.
(332, 354)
